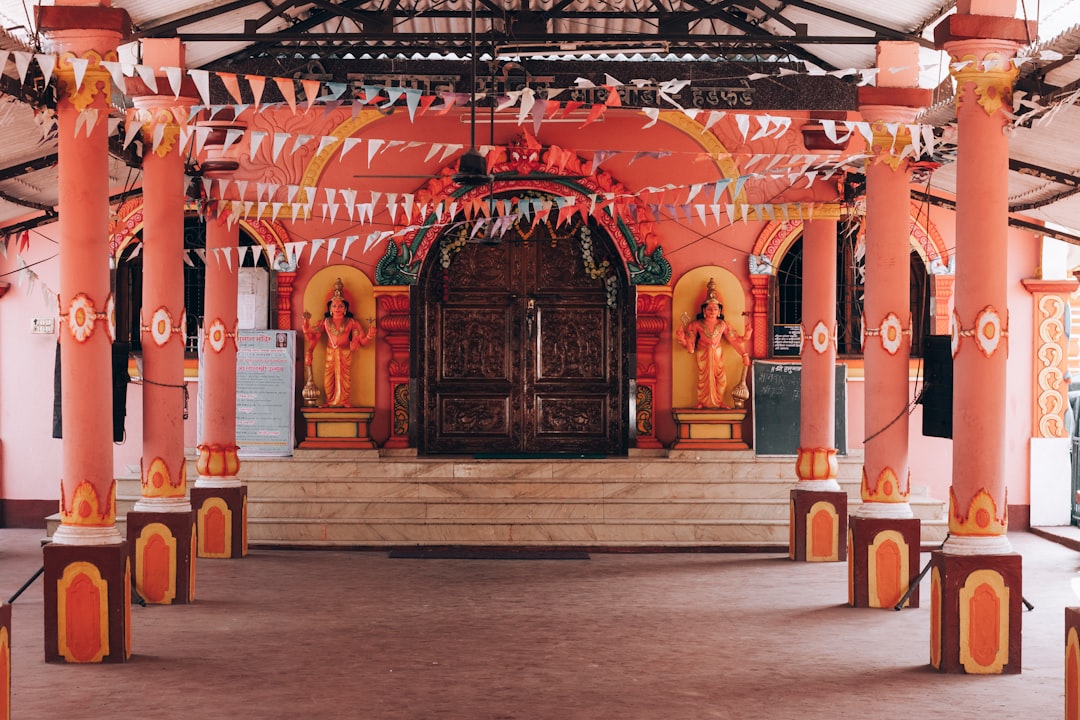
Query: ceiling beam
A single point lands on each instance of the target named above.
(1064, 236)
(1044, 173)
(881, 30)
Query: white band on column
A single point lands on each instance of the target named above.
(176, 505)
(830, 485)
(977, 545)
(86, 535)
(218, 482)
(884, 510)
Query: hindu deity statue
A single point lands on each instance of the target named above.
(344, 334)
(703, 337)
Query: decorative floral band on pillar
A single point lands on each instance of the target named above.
(216, 334)
(981, 517)
(891, 332)
(82, 317)
(890, 142)
(820, 338)
(816, 464)
(217, 460)
(989, 332)
(157, 481)
(887, 489)
(161, 328)
(161, 128)
(86, 508)
(81, 78)
(992, 75)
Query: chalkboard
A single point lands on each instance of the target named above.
(777, 389)
(786, 340)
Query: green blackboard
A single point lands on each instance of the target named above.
(777, 390)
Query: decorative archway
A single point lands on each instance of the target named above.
(573, 189)
(776, 239)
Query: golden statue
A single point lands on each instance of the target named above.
(703, 337)
(344, 333)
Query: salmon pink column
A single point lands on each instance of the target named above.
(161, 527)
(219, 498)
(976, 578)
(818, 522)
(885, 537)
(87, 617)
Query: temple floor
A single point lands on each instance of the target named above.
(351, 634)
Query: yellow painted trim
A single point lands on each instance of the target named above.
(347, 129)
(879, 540)
(977, 580)
(829, 509)
(214, 503)
(936, 633)
(148, 533)
(63, 585)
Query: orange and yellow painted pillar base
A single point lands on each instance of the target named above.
(87, 603)
(1072, 664)
(163, 550)
(884, 561)
(5, 661)
(221, 520)
(975, 605)
(818, 525)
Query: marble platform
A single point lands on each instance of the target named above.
(653, 499)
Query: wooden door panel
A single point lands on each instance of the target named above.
(572, 345)
(525, 350)
(476, 344)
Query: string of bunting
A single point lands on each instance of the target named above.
(529, 105)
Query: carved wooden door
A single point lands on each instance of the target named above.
(524, 348)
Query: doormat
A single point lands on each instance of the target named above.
(539, 456)
(480, 553)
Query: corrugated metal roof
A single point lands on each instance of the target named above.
(1042, 139)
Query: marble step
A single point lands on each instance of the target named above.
(662, 499)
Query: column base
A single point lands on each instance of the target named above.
(5, 661)
(221, 518)
(338, 427)
(709, 429)
(1072, 663)
(883, 561)
(87, 603)
(163, 556)
(818, 525)
(975, 613)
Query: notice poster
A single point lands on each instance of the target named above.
(265, 392)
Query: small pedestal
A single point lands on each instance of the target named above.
(87, 603)
(883, 561)
(818, 525)
(221, 519)
(975, 613)
(1072, 663)
(163, 555)
(334, 427)
(709, 429)
(5, 661)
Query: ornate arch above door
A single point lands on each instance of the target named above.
(575, 189)
(128, 222)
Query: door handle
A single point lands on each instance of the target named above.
(530, 314)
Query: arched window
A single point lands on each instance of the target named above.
(850, 292)
(129, 275)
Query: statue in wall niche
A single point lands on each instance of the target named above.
(704, 337)
(344, 333)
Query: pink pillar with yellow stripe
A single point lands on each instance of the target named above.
(161, 527)
(818, 522)
(86, 602)
(975, 580)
